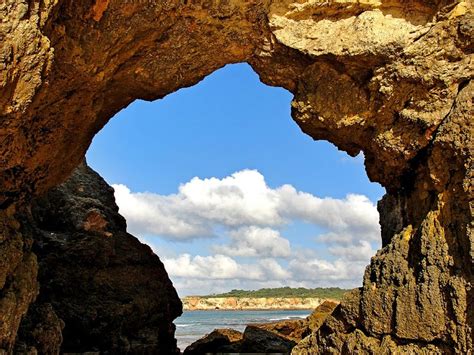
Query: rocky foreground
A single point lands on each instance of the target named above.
(248, 303)
(101, 289)
(276, 337)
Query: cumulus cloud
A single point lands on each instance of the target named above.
(221, 267)
(210, 267)
(242, 199)
(360, 251)
(355, 213)
(254, 241)
(201, 204)
(249, 215)
(273, 270)
(320, 271)
(149, 213)
(193, 274)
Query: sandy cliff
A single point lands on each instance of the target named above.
(232, 303)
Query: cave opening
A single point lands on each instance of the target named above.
(224, 187)
(391, 79)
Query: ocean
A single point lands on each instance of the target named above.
(193, 325)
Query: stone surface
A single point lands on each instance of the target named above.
(259, 340)
(274, 337)
(101, 289)
(219, 340)
(255, 339)
(320, 314)
(293, 330)
(388, 78)
(18, 279)
(40, 331)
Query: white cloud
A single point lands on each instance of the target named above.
(274, 271)
(237, 200)
(220, 273)
(148, 213)
(355, 213)
(361, 251)
(320, 271)
(242, 199)
(255, 241)
(223, 267)
(210, 267)
(249, 214)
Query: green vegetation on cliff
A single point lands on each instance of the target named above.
(319, 292)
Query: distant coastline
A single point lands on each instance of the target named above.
(196, 303)
(284, 298)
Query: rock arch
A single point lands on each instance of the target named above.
(389, 78)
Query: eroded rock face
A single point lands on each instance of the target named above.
(101, 289)
(390, 78)
(18, 276)
(40, 331)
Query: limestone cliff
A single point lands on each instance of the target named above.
(194, 303)
(391, 78)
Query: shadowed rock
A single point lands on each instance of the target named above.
(219, 340)
(109, 291)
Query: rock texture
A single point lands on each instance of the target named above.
(255, 339)
(274, 337)
(101, 289)
(193, 303)
(219, 340)
(18, 276)
(40, 331)
(390, 78)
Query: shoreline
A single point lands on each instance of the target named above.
(251, 303)
(247, 309)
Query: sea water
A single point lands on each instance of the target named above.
(193, 325)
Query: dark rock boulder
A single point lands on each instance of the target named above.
(222, 340)
(293, 330)
(111, 291)
(255, 339)
(259, 340)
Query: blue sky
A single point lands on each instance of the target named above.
(230, 123)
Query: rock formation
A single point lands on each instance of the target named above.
(100, 288)
(274, 337)
(254, 339)
(193, 303)
(390, 78)
(219, 340)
